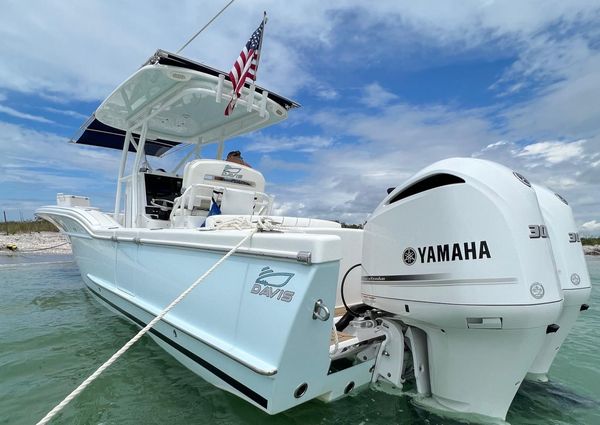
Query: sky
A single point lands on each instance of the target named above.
(386, 88)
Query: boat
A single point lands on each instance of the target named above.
(463, 283)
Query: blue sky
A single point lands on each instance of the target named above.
(386, 88)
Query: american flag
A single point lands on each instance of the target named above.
(245, 66)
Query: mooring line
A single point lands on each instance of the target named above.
(17, 250)
(262, 224)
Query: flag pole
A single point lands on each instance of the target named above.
(248, 64)
(265, 19)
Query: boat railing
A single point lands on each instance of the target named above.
(198, 198)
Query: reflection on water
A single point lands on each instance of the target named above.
(53, 335)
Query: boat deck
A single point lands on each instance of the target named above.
(339, 312)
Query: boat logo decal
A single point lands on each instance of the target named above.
(575, 279)
(269, 284)
(233, 172)
(271, 278)
(447, 252)
(537, 290)
(409, 256)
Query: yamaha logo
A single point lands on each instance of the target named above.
(522, 179)
(474, 250)
(537, 290)
(575, 279)
(409, 256)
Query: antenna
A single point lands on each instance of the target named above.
(204, 27)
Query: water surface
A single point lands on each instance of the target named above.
(53, 335)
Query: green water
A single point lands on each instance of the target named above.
(53, 335)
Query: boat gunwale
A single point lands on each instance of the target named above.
(73, 213)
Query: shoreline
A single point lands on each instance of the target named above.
(35, 243)
(55, 243)
(591, 249)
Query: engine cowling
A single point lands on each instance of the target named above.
(572, 274)
(451, 252)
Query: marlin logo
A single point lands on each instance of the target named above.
(268, 280)
(233, 172)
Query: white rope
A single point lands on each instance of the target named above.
(336, 340)
(263, 224)
(239, 223)
(39, 249)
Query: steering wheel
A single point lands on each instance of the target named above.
(163, 204)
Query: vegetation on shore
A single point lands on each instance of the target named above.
(590, 241)
(13, 227)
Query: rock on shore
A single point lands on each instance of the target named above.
(591, 249)
(35, 243)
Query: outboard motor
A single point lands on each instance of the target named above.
(572, 272)
(449, 257)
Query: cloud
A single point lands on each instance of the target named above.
(88, 57)
(545, 122)
(66, 112)
(565, 167)
(554, 152)
(32, 150)
(566, 107)
(543, 58)
(375, 96)
(348, 179)
(327, 93)
(591, 226)
(376, 151)
(305, 144)
(415, 134)
(561, 183)
(495, 145)
(473, 23)
(268, 163)
(14, 113)
(36, 165)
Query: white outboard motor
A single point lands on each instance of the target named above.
(572, 274)
(449, 255)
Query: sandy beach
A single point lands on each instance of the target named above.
(39, 243)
